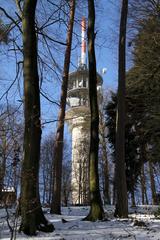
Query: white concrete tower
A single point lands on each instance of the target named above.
(78, 119)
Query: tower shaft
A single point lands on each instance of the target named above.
(80, 153)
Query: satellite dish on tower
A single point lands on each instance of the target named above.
(104, 70)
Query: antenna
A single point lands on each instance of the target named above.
(83, 41)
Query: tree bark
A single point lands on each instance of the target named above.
(152, 181)
(31, 212)
(96, 209)
(120, 177)
(106, 190)
(133, 202)
(58, 148)
(3, 159)
(143, 186)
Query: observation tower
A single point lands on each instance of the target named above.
(78, 119)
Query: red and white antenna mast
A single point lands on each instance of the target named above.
(83, 41)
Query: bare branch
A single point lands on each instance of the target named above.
(6, 92)
(45, 96)
(14, 21)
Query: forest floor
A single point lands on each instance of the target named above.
(141, 224)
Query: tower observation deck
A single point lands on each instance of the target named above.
(78, 120)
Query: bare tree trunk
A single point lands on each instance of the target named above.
(120, 177)
(96, 210)
(133, 202)
(3, 38)
(58, 147)
(152, 181)
(107, 198)
(106, 190)
(143, 186)
(15, 163)
(31, 212)
(2, 164)
(2, 175)
(114, 192)
(50, 187)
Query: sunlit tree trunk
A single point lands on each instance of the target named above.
(120, 177)
(96, 209)
(58, 148)
(31, 212)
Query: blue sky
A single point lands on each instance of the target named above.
(107, 22)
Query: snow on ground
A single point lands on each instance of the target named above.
(141, 224)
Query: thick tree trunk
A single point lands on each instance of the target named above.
(96, 210)
(31, 211)
(120, 177)
(58, 148)
(153, 186)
